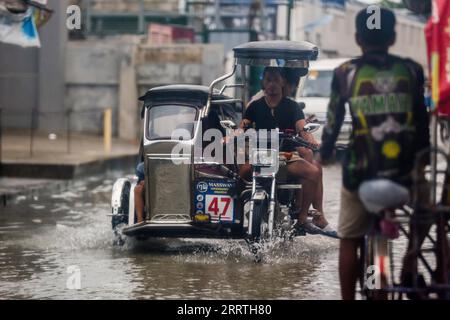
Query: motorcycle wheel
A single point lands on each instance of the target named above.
(259, 213)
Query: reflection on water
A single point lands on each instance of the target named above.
(40, 237)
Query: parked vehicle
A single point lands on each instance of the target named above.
(315, 90)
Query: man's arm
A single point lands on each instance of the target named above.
(303, 152)
(300, 122)
(335, 118)
(249, 116)
(245, 123)
(299, 125)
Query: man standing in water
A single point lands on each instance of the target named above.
(390, 126)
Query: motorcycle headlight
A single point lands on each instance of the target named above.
(264, 157)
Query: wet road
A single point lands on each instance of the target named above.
(45, 241)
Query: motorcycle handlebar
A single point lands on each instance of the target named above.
(299, 142)
(296, 140)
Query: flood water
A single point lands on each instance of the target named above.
(46, 239)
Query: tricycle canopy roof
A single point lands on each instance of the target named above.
(180, 92)
(185, 94)
(276, 53)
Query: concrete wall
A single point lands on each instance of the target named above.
(180, 63)
(19, 69)
(92, 80)
(113, 72)
(33, 78)
(335, 38)
(51, 77)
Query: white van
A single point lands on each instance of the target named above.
(315, 92)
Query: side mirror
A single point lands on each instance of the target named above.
(228, 124)
(311, 127)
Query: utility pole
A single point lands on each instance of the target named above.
(290, 7)
(217, 19)
(256, 16)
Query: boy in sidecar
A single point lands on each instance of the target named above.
(139, 192)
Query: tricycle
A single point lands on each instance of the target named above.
(191, 191)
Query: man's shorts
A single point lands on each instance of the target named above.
(355, 221)
(287, 157)
(293, 156)
(140, 172)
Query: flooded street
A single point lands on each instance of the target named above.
(44, 239)
(180, 102)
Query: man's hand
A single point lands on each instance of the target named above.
(245, 123)
(231, 134)
(227, 139)
(310, 138)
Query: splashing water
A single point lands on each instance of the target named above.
(39, 244)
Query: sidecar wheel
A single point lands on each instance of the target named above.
(122, 217)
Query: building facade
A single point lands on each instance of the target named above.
(332, 29)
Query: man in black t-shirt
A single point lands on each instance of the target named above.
(275, 110)
(283, 116)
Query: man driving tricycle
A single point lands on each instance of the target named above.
(275, 110)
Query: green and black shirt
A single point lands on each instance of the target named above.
(385, 95)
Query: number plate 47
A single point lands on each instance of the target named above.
(219, 206)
